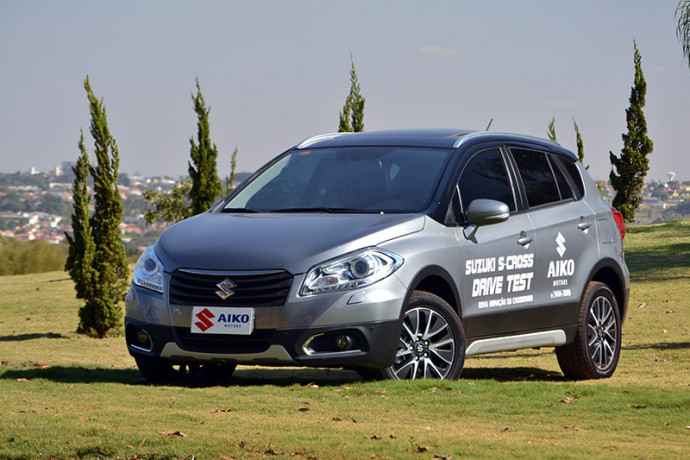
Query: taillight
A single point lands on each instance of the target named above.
(618, 217)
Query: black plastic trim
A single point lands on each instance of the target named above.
(376, 343)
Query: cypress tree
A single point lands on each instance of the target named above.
(344, 125)
(551, 130)
(230, 181)
(580, 145)
(81, 245)
(683, 29)
(352, 116)
(110, 269)
(357, 101)
(206, 186)
(195, 195)
(632, 166)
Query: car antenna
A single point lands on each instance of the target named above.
(489, 125)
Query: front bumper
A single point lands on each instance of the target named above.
(367, 345)
(349, 328)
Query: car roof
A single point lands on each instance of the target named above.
(438, 138)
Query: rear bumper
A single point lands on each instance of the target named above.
(367, 345)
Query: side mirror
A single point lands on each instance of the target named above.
(484, 212)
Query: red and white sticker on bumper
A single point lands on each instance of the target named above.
(222, 320)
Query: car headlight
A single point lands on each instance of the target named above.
(351, 271)
(148, 272)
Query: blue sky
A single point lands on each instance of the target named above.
(276, 72)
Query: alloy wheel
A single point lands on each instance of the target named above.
(602, 333)
(426, 347)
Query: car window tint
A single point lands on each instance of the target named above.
(563, 185)
(576, 179)
(485, 176)
(537, 177)
(346, 179)
(282, 185)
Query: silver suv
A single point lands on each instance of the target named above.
(393, 253)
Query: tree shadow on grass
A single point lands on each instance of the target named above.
(659, 346)
(64, 374)
(23, 337)
(652, 264)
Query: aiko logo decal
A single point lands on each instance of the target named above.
(222, 320)
(561, 270)
(563, 267)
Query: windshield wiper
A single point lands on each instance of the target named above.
(237, 210)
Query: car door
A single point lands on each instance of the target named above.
(564, 232)
(495, 285)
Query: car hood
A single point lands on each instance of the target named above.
(293, 242)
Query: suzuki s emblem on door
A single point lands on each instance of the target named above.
(560, 247)
(225, 288)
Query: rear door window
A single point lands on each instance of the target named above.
(572, 171)
(564, 187)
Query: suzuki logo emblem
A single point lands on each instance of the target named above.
(560, 248)
(204, 317)
(225, 288)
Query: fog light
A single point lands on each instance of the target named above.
(142, 337)
(343, 342)
(144, 340)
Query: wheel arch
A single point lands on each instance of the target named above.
(607, 272)
(438, 281)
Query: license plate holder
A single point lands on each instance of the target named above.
(222, 320)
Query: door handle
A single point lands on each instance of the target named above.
(524, 240)
(584, 225)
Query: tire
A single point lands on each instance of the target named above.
(158, 370)
(594, 353)
(431, 342)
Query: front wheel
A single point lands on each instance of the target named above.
(595, 351)
(431, 342)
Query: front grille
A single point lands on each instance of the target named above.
(251, 288)
(257, 342)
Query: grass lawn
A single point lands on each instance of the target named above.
(63, 395)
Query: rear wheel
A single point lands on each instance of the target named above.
(158, 370)
(431, 342)
(594, 353)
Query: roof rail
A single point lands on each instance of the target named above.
(321, 137)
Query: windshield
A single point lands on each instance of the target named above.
(345, 179)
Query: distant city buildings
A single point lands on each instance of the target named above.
(37, 206)
(22, 195)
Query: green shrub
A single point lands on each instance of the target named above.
(21, 257)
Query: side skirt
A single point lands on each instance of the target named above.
(552, 338)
